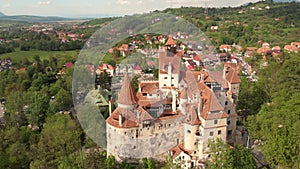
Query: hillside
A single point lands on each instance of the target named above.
(285, 0)
(276, 23)
(2, 14)
(99, 21)
(31, 18)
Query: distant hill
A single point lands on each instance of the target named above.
(31, 18)
(286, 1)
(100, 21)
(2, 14)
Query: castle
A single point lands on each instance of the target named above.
(175, 115)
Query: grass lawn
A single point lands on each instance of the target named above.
(19, 55)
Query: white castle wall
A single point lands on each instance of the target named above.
(142, 142)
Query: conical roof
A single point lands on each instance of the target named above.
(170, 41)
(127, 95)
(192, 117)
(183, 94)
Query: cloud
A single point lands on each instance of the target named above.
(122, 2)
(6, 5)
(139, 2)
(44, 2)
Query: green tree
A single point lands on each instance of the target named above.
(243, 157)
(148, 163)
(220, 155)
(95, 160)
(37, 107)
(110, 162)
(60, 137)
(63, 100)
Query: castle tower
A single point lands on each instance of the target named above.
(191, 129)
(171, 46)
(127, 98)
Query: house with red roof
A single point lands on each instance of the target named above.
(225, 48)
(109, 69)
(291, 48)
(296, 44)
(124, 49)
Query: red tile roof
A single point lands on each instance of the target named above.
(232, 74)
(222, 47)
(165, 61)
(210, 103)
(183, 93)
(68, 64)
(126, 95)
(123, 47)
(128, 118)
(192, 117)
(170, 41)
(177, 150)
(214, 104)
(149, 87)
(297, 44)
(291, 48)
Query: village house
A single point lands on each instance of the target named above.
(225, 48)
(296, 44)
(124, 50)
(109, 69)
(291, 48)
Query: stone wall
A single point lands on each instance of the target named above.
(136, 143)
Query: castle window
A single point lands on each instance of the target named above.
(228, 122)
(228, 111)
(226, 103)
(189, 131)
(195, 152)
(172, 84)
(219, 132)
(195, 143)
(125, 133)
(144, 94)
(229, 132)
(150, 94)
(165, 85)
(166, 78)
(172, 77)
(211, 133)
(169, 125)
(216, 121)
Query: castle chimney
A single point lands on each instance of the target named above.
(109, 107)
(120, 120)
(170, 69)
(173, 101)
(202, 77)
(163, 67)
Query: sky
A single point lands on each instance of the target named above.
(85, 8)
